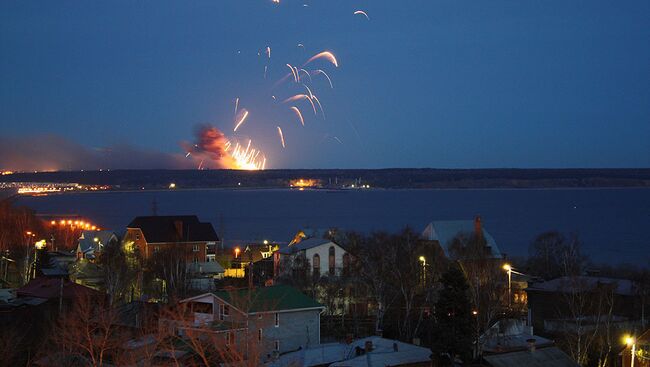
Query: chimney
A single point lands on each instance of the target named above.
(478, 228)
(179, 228)
(531, 344)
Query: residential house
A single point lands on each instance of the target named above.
(325, 257)
(184, 233)
(91, 243)
(511, 343)
(558, 304)
(443, 233)
(276, 318)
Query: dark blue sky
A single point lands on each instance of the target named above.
(422, 84)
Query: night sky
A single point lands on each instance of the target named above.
(450, 84)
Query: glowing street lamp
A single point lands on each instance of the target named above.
(508, 268)
(237, 251)
(423, 260)
(631, 342)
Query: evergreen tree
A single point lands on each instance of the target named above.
(452, 334)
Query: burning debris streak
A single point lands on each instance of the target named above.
(281, 136)
(361, 12)
(293, 72)
(324, 55)
(236, 105)
(319, 71)
(298, 114)
(319, 105)
(241, 119)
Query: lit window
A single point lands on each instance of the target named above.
(277, 319)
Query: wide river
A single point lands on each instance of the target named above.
(613, 224)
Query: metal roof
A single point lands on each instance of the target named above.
(444, 231)
(542, 357)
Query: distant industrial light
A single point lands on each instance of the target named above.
(172, 185)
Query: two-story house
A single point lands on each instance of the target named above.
(277, 318)
(325, 257)
(152, 234)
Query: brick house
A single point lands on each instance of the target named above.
(151, 234)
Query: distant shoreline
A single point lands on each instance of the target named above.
(346, 179)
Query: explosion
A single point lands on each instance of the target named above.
(213, 150)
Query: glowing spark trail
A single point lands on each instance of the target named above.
(326, 55)
(319, 71)
(309, 91)
(281, 136)
(293, 72)
(236, 105)
(297, 97)
(306, 73)
(242, 119)
(299, 114)
(268, 51)
(362, 13)
(319, 105)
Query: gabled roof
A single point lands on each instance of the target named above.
(305, 244)
(157, 229)
(267, 299)
(565, 284)
(50, 288)
(444, 231)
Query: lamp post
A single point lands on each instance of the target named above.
(423, 260)
(631, 342)
(508, 268)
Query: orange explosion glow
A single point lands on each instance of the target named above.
(214, 150)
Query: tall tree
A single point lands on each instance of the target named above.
(452, 334)
(552, 255)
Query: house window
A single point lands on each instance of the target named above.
(137, 236)
(277, 319)
(259, 335)
(228, 335)
(221, 312)
(156, 249)
(346, 264)
(332, 260)
(226, 310)
(277, 345)
(316, 264)
(195, 260)
(195, 248)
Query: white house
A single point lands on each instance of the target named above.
(324, 256)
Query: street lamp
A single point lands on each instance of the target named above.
(631, 342)
(423, 260)
(507, 267)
